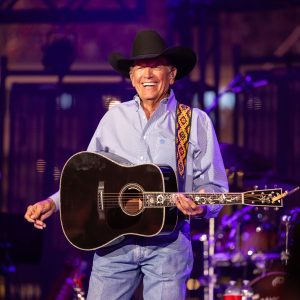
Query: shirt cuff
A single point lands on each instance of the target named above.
(56, 198)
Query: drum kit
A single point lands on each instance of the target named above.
(248, 244)
(253, 245)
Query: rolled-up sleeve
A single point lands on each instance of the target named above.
(208, 167)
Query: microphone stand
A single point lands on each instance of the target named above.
(245, 83)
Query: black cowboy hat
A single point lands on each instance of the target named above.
(149, 44)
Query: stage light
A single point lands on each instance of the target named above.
(250, 252)
(56, 173)
(58, 55)
(64, 101)
(193, 284)
(109, 101)
(203, 238)
(40, 165)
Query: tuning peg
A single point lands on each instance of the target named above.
(255, 187)
(266, 186)
(275, 186)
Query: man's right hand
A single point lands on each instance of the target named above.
(40, 211)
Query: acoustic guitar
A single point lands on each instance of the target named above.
(104, 198)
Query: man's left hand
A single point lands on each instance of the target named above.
(188, 207)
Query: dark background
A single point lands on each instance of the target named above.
(56, 85)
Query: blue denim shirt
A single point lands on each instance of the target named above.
(125, 131)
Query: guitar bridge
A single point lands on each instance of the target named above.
(100, 205)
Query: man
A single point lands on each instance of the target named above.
(143, 130)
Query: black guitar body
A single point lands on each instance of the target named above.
(101, 200)
(104, 198)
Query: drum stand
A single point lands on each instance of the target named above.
(289, 221)
(286, 219)
(208, 259)
(208, 267)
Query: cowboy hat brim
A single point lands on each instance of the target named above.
(184, 59)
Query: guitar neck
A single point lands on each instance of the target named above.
(156, 199)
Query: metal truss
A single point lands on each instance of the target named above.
(74, 11)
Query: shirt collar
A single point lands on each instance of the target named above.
(169, 101)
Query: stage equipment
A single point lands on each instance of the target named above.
(269, 286)
(238, 84)
(233, 292)
(253, 244)
(58, 53)
(248, 231)
(70, 284)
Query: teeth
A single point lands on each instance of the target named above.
(148, 84)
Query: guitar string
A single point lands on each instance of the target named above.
(115, 202)
(136, 206)
(137, 197)
(167, 198)
(167, 194)
(134, 196)
(113, 199)
(155, 194)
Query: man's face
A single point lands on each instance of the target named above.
(152, 78)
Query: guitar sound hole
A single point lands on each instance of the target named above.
(132, 199)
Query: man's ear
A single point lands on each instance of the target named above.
(131, 78)
(173, 75)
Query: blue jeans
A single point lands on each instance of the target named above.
(164, 263)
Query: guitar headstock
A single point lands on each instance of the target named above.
(266, 197)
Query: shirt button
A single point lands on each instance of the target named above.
(141, 157)
(144, 137)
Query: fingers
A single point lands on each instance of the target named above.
(46, 215)
(33, 212)
(38, 212)
(28, 214)
(33, 215)
(187, 206)
(39, 224)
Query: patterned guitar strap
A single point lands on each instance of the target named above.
(183, 129)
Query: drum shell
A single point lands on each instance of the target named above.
(253, 232)
(269, 286)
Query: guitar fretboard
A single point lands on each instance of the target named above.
(156, 199)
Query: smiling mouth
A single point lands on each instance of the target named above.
(148, 84)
